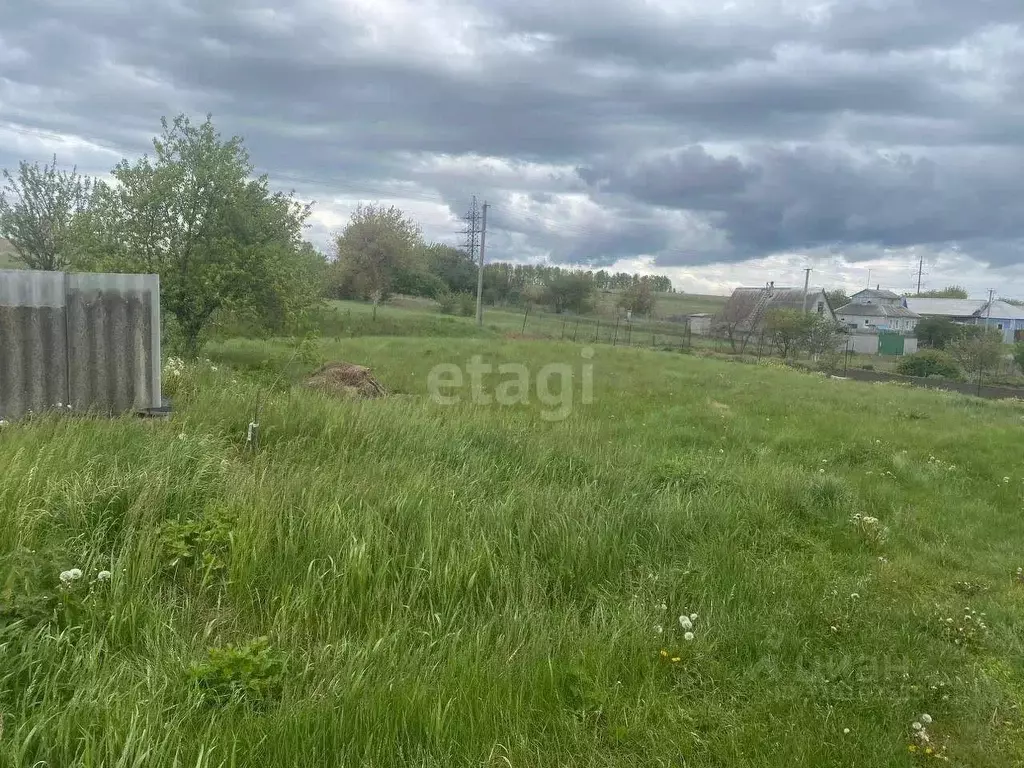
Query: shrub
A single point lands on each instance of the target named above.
(467, 304)
(929, 362)
(446, 302)
(252, 673)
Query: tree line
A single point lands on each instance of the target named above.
(382, 252)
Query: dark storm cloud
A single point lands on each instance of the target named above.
(768, 127)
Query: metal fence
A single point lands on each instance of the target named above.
(90, 341)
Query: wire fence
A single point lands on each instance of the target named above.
(619, 332)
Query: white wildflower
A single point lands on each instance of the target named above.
(688, 636)
(103, 576)
(916, 726)
(693, 617)
(75, 574)
(685, 623)
(663, 607)
(181, 435)
(846, 731)
(65, 577)
(926, 719)
(658, 628)
(854, 596)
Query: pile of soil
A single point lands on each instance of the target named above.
(346, 380)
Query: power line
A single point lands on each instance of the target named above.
(472, 230)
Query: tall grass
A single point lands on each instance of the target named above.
(470, 585)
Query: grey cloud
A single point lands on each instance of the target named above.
(821, 112)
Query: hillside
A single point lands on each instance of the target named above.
(471, 585)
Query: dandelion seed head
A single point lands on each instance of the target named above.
(103, 576)
(688, 636)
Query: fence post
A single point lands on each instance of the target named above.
(523, 332)
(615, 338)
(597, 333)
(563, 328)
(575, 329)
(629, 334)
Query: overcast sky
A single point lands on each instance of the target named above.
(718, 143)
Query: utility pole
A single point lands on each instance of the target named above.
(988, 310)
(807, 282)
(920, 269)
(480, 272)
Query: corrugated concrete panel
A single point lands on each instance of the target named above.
(114, 334)
(33, 342)
(89, 339)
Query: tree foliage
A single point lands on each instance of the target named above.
(837, 298)
(1018, 355)
(569, 291)
(376, 246)
(789, 329)
(936, 332)
(949, 292)
(41, 211)
(977, 349)
(218, 238)
(639, 298)
(929, 362)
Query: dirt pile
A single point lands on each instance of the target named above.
(346, 380)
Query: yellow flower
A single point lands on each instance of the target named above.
(928, 750)
(676, 659)
(664, 653)
(911, 748)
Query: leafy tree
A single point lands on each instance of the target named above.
(929, 362)
(569, 290)
(376, 244)
(789, 329)
(639, 297)
(977, 349)
(936, 332)
(219, 239)
(453, 266)
(837, 298)
(949, 292)
(823, 335)
(40, 213)
(1018, 355)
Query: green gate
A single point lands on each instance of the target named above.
(890, 343)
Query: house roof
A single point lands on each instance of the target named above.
(1002, 310)
(783, 298)
(945, 307)
(965, 308)
(744, 300)
(874, 293)
(876, 310)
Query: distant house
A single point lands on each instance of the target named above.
(1005, 318)
(875, 309)
(748, 306)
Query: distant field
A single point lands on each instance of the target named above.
(7, 260)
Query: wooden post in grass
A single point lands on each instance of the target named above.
(597, 333)
(563, 327)
(523, 332)
(575, 329)
(629, 334)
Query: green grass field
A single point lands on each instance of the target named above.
(401, 583)
(7, 260)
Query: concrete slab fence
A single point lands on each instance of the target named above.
(91, 340)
